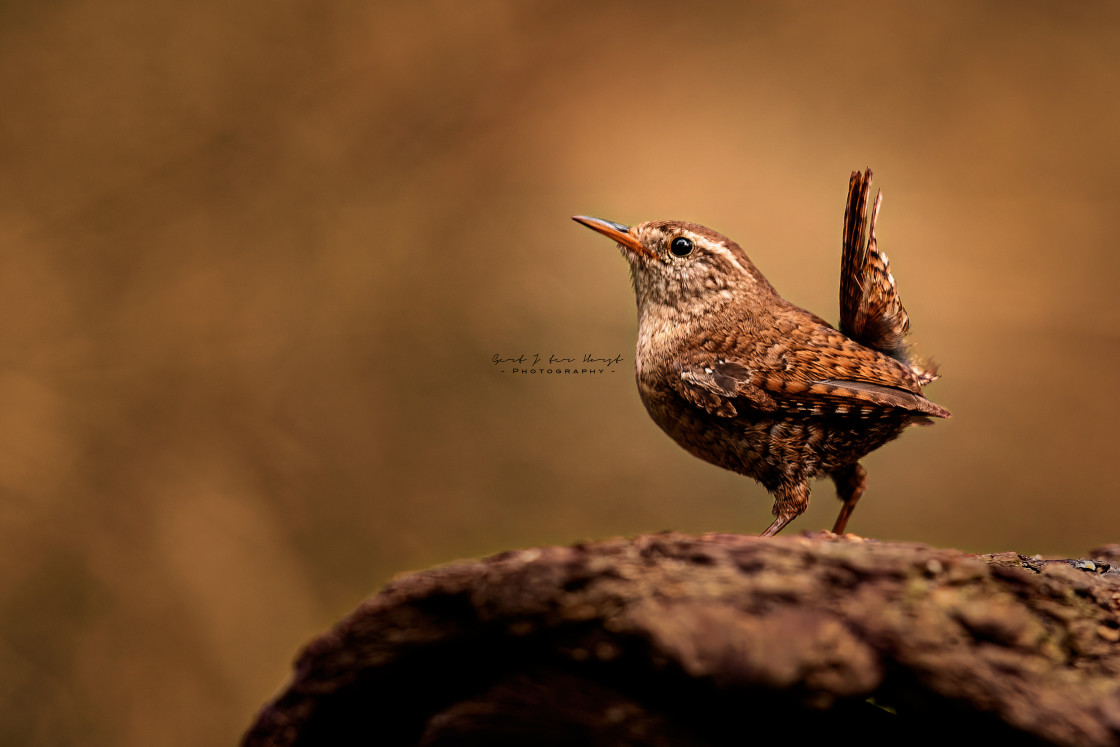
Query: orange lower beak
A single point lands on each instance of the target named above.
(616, 231)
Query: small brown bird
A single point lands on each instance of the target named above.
(744, 379)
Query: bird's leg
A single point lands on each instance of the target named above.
(790, 501)
(850, 483)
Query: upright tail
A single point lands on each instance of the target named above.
(871, 311)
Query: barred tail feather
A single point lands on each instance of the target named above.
(871, 311)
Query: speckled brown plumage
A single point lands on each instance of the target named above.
(743, 379)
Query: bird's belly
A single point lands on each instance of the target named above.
(770, 447)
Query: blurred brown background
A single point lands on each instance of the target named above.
(256, 259)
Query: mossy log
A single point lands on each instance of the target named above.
(718, 639)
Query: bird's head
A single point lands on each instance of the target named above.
(683, 265)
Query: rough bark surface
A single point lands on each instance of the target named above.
(672, 639)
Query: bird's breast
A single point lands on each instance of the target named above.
(658, 340)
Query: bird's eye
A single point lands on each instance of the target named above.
(681, 247)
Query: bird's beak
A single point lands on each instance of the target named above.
(616, 231)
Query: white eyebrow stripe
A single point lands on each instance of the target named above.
(724, 251)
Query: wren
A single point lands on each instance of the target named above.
(746, 380)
